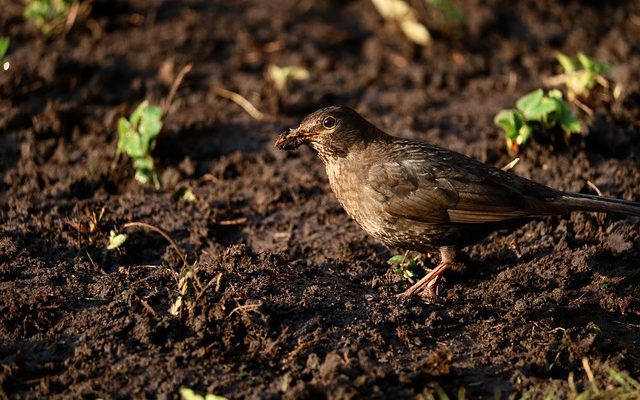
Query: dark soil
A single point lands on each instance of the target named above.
(300, 302)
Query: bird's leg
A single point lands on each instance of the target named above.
(427, 287)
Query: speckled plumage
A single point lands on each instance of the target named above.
(418, 196)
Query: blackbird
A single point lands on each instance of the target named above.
(418, 196)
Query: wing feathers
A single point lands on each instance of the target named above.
(458, 191)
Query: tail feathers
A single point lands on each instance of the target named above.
(587, 202)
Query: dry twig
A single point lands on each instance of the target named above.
(162, 233)
(241, 101)
(512, 164)
(174, 87)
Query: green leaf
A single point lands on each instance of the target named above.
(137, 138)
(137, 114)
(516, 130)
(4, 46)
(524, 133)
(408, 273)
(555, 94)
(581, 74)
(566, 62)
(510, 121)
(505, 118)
(535, 106)
(150, 126)
(143, 163)
(565, 118)
(592, 65)
(45, 14)
(116, 240)
(132, 144)
(397, 259)
(144, 167)
(124, 133)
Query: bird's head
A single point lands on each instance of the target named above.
(332, 131)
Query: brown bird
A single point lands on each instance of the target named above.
(418, 196)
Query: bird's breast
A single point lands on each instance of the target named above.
(364, 205)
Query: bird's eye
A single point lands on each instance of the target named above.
(329, 122)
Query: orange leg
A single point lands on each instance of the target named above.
(427, 287)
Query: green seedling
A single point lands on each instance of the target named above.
(536, 112)
(594, 328)
(137, 139)
(280, 76)
(48, 15)
(189, 394)
(4, 47)
(186, 289)
(404, 266)
(581, 74)
(116, 240)
(184, 193)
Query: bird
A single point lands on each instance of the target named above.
(417, 196)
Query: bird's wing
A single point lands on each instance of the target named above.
(449, 187)
(412, 193)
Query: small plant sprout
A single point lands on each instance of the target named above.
(186, 290)
(48, 15)
(581, 74)
(280, 76)
(4, 47)
(536, 112)
(594, 328)
(116, 240)
(404, 266)
(405, 16)
(137, 139)
(184, 193)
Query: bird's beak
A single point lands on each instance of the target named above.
(292, 139)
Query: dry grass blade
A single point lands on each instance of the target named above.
(236, 221)
(162, 233)
(594, 187)
(512, 164)
(213, 280)
(587, 369)
(166, 105)
(587, 110)
(246, 307)
(71, 17)
(241, 101)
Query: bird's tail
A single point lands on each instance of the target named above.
(587, 202)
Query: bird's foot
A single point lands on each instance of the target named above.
(427, 287)
(430, 293)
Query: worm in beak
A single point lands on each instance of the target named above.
(291, 139)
